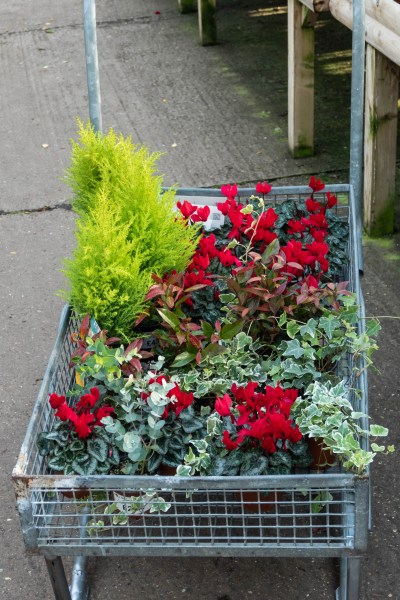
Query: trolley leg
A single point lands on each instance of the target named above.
(350, 579)
(58, 579)
(79, 586)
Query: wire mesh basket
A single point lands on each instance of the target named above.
(312, 514)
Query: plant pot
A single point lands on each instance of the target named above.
(257, 501)
(166, 470)
(322, 458)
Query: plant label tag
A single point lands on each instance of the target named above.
(215, 220)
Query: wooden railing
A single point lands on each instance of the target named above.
(382, 35)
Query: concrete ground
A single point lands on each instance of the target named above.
(219, 113)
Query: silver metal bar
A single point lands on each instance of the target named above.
(350, 578)
(79, 587)
(357, 115)
(92, 63)
(353, 578)
(58, 579)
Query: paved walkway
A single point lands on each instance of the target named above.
(220, 115)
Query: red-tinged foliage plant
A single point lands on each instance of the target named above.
(255, 267)
(85, 338)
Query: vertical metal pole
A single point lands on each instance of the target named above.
(92, 63)
(79, 587)
(58, 579)
(357, 115)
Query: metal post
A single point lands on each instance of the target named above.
(58, 579)
(350, 579)
(92, 63)
(79, 587)
(357, 115)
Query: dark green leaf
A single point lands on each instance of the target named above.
(253, 464)
(184, 358)
(98, 448)
(87, 468)
(229, 330)
(169, 317)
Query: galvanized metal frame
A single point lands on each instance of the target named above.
(208, 515)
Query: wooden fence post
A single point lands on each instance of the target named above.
(207, 24)
(300, 79)
(380, 136)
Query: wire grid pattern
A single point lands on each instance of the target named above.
(209, 518)
(237, 515)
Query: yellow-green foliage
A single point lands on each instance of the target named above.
(127, 230)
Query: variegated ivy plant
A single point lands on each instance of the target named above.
(325, 412)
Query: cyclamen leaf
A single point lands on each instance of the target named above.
(56, 464)
(86, 468)
(254, 464)
(98, 449)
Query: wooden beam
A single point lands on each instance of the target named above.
(186, 6)
(207, 23)
(385, 12)
(300, 81)
(377, 35)
(380, 136)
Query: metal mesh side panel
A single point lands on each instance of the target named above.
(198, 518)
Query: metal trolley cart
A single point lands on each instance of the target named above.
(200, 516)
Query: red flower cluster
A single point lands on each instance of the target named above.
(301, 261)
(82, 419)
(195, 213)
(196, 273)
(179, 399)
(259, 229)
(298, 258)
(263, 417)
(315, 223)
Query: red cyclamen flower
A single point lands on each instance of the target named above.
(263, 188)
(65, 413)
(313, 207)
(186, 208)
(83, 425)
(229, 444)
(202, 214)
(316, 184)
(230, 191)
(223, 405)
(56, 401)
(331, 200)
